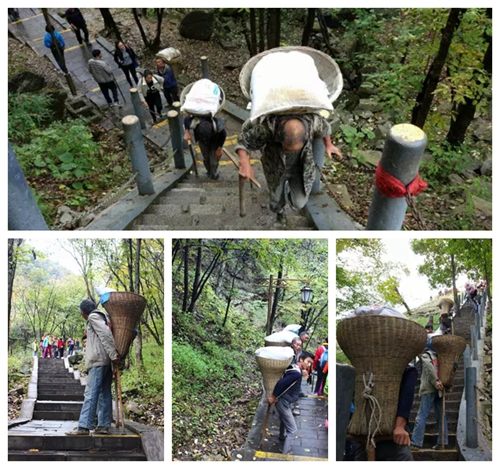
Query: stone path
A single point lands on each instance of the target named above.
(310, 444)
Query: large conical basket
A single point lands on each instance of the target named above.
(271, 370)
(222, 101)
(380, 348)
(270, 343)
(328, 70)
(125, 310)
(445, 304)
(448, 348)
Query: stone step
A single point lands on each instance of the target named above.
(450, 405)
(57, 414)
(436, 455)
(57, 374)
(430, 439)
(47, 380)
(432, 427)
(65, 406)
(52, 396)
(61, 388)
(452, 415)
(115, 442)
(76, 456)
(455, 395)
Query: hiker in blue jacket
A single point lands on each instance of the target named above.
(170, 83)
(47, 40)
(285, 393)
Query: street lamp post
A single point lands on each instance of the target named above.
(305, 293)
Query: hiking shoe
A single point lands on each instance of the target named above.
(296, 412)
(79, 432)
(102, 431)
(435, 447)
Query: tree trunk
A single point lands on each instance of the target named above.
(155, 45)
(402, 300)
(454, 283)
(426, 95)
(276, 301)
(186, 276)
(253, 32)
(137, 266)
(130, 262)
(311, 14)
(273, 27)
(141, 29)
(13, 244)
(262, 28)
(465, 111)
(196, 282)
(109, 23)
(138, 350)
(324, 32)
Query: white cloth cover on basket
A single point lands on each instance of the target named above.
(282, 336)
(276, 353)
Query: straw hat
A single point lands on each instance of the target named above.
(125, 310)
(449, 348)
(380, 348)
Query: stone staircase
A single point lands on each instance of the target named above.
(56, 411)
(205, 204)
(462, 324)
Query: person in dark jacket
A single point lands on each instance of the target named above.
(77, 22)
(210, 134)
(285, 393)
(47, 41)
(127, 60)
(169, 82)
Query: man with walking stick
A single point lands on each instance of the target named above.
(285, 393)
(99, 355)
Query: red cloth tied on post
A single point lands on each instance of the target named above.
(389, 186)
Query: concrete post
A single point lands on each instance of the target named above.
(204, 67)
(478, 326)
(319, 159)
(177, 107)
(473, 342)
(24, 213)
(137, 152)
(138, 109)
(401, 158)
(176, 138)
(471, 407)
(345, 394)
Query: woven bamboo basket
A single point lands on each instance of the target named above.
(271, 370)
(445, 304)
(448, 348)
(379, 347)
(270, 343)
(328, 70)
(125, 310)
(186, 90)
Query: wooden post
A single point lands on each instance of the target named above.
(243, 210)
(122, 414)
(442, 419)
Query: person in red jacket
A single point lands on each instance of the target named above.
(319, 368)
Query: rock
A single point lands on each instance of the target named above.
(26, 82)
(132, 408)
(483, 130)
(58, 103)
(483, 206)
(382, 130)
(197, 25)
(370, 157)
(444, 108)
(85, 220)
(379, 145)
(487, 167)
(185, 208)
(482, 188)
(364, 114)
(203, 200)
(468, 173)
(340, 190)
(455, 180)
(366, 90)
(335, 123)
(66, 215)
(369, 105)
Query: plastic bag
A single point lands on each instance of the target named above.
(276, 353)
(203, 98)
(293, 328)
(287, 81)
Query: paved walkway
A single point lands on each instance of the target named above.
(310, 444)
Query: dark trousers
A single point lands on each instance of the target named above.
(209, 160)
(105, 87)
(129, 71)
(58, 60)
(385, 451)
(320, 382)
(154, 101)
(171, 94)
(81, 27)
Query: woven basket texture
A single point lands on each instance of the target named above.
(124, 309)
(270, 343)
(449, 348)
(328, 70)
(445, 304)
(382, 346)
(271, 370)
(186, 90)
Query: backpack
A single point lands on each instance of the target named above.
(323, 359)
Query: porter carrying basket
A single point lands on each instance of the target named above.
(125, 310)
(449, 348)
(272, 370)
(380, 348)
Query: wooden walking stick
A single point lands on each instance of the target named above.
(117, 408)
(265, 425)
(193, 156)
(442, 419)
(120, 396)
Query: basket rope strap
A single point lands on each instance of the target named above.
(375, 410)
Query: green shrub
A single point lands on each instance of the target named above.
(27, 112)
